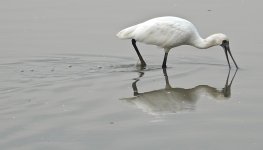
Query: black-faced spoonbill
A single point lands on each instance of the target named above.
(168, 32)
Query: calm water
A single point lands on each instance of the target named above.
(66, 81)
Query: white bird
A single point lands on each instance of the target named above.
(168, 32)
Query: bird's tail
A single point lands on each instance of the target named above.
(126, 33)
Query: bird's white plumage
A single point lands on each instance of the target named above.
(168, 32)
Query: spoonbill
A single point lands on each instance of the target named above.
(169, 32)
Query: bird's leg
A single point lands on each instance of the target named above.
(167, 84)
(164, 60)
(227, 58)
(143, 64)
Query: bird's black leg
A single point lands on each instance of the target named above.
(227, 58)
(167, 84)
(164, 60)
(143, 64)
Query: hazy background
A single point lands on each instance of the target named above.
(36, 27)
(64, 74)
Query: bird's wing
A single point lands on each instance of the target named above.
(163, 34)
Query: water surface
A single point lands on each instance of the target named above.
(66, 81)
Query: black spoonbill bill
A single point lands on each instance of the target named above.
(168, 32)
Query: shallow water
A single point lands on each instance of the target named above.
(66, 81)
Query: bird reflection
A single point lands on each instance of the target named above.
(171, 100)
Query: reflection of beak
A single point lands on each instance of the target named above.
(227, 49)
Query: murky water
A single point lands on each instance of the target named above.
(66, 81)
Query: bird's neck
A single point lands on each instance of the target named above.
(201, 43)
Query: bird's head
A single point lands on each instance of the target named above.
(223, 41)
(219, 39)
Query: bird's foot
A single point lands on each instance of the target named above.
(140, 64)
